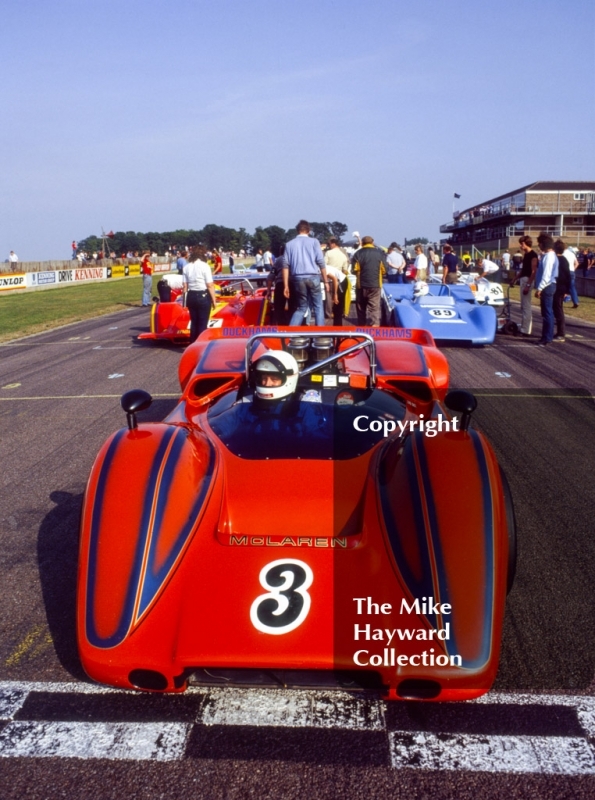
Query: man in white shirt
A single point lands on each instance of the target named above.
(570, 256)
(486, 267)
(395, 264)
(14, 261)
(421, 264)
(545, 285)
(335, 257)
(259, 260)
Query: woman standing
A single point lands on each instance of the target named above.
(146, 268)
(200, 292)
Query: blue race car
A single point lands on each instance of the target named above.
(450, 313)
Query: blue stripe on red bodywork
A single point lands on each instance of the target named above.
(146, 530)
(418, 588)
(440, 593)
(128, 605)
(425, 587)
(153, 579)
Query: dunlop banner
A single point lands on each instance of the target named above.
(12, 282)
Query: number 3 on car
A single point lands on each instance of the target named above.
(286, 603)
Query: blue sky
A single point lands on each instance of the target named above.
(161, 115)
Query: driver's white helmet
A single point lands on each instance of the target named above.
(275, 375)
(420, 288)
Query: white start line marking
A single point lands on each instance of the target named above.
(146, 741)
(115, 375)
(406, 749)
(291, 708)
(503, 374)
(475, 753)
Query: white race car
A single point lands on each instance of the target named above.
(486, 292)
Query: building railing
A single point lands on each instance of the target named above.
(577, 207)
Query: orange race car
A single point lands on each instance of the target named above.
(300, 518)
(241, 302)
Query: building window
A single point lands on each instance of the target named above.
(578, 220)
(580, 196)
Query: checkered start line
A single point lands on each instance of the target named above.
(544, 734)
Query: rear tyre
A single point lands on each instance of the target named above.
(511, 531)
(510, 328)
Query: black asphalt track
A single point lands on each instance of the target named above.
(59, 400)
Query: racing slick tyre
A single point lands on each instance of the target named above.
(511, 528)
(510, 328)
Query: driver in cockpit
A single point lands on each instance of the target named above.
(275, 375)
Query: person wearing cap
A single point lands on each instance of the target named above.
(395, 264)
(369, 268)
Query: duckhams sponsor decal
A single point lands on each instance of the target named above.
(387, 333)
(12, 282)
(244, 332)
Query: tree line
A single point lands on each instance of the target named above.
(211, 236)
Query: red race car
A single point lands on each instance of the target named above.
(240, 303)
(299, 519)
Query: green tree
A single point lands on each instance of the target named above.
(240, 240)
(260, 240)
(277, 237)
(320, 230)
(338, 230)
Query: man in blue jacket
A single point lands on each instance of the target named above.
(303, 270)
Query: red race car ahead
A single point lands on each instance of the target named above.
(240, 303)
(309, 514)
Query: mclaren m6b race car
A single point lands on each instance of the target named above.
(241, 302)
(310, 514)
(451, 313)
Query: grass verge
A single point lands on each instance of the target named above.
(42, 309)
(36, 311)
(585, 310)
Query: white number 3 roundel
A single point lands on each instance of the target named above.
(286, 604)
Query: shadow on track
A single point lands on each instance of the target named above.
(57, 553)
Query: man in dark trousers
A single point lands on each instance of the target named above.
(369, 266)
(450, 265)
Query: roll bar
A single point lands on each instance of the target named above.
(367, 341)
